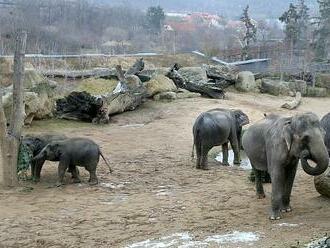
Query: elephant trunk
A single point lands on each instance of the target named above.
(318, 154)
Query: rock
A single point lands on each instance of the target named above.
(258, 83)
(165, 96)
(246, 82)
(159, 84)
(37, 106)
(323, 80)
(221, 72)
(276, 87)
(298, 86)
(31, 76)
(195, 75)
(133, 82)
(322, 183)
(182, 93)
(97, 86)
(316, 92)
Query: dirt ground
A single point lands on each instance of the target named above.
(155, 191)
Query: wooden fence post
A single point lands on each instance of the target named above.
(10, 137)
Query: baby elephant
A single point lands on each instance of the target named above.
(71, 153)
(218, 127)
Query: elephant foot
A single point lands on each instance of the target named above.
(237, 163)
(275, 215)
(35, 179)
(76, 180)
(205, 168)
(225, 164)
(286, 209)
(59, 184)
(261, 195)
(93, 182)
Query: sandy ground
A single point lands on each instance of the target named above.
(155, 191)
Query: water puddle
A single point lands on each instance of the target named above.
(187, 240)
(321, 243)
(245, 163)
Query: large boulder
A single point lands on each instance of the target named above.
(246, 82)
(31, 76)
(322, 183)
(316, 92)
(195, 75)
(182, 93)
(323, 80)
(221, 72)
(37, 106)
(169, 96)
(277, 87)
(97, 86)
(158, 84)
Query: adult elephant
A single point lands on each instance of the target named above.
(218, 127)
(325, 123)
(275, 144)
(73, 152)
(36, 143)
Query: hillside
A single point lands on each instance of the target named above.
(259, 8)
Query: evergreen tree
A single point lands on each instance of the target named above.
(322, 33)
(290, 19)
(155, 17)
(303, 25)
(250, 33)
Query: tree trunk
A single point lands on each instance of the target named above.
(294, 103)
(10, 138)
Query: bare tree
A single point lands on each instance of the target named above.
(10, 137)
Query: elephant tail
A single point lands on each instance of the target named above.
(106, 161)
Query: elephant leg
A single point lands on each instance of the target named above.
(198, 154)
(37, 166)
(234, 144)
(259, 186)
(75, 174)
(203, 162)
(290, 175)
(278, 180)
(92, 175)
(225, 154)
(33, 174)
(62, 167)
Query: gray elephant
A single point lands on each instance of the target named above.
(275, 144)
(73, 152)
(36, 143)
(325, 123)
(218, 127)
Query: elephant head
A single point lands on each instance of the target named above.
(51, 152)
(241, 118)
(304, 138)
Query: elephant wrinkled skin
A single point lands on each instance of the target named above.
(218, 127)
(70, 153)
(275, 144)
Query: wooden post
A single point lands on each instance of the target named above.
(10, 138)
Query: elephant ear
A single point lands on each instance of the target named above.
(57, 149)
(287, 134)
(241, 118)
